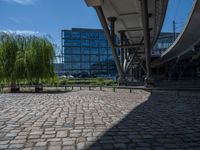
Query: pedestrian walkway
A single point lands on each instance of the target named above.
(99, 120)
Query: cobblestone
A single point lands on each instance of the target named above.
(99, 120)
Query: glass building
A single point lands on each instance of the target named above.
(165, 40)
(87, 53)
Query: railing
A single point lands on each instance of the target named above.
(101, 88)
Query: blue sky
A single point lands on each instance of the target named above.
(50, 16)
(179, 11)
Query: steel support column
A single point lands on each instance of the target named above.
(122, 49)
(126, 50)
(145, 20)
(110, 40)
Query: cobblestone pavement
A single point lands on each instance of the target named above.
(99, 120)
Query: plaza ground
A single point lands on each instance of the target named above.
(100, 120)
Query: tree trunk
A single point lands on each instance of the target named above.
(14, 88)
(38, 87)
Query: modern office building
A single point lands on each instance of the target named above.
(87, 53)
(58, 67)
(165, 40)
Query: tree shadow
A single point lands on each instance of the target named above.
(164, 121)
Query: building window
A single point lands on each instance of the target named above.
(75, 35)
(76, 66)
(103, 50)
(75, 58)
(86, 66)
(67, 34)
(94, 58)
(85, 58)
(94, 43)
(94, 51)
(86, 52)
(85, 42)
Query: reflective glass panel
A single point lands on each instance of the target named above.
(103, 50)
(94, 51)
(75, 50)
(85, 58)
(76, 66)
(85, 42)
(75, 35)
(67, 34)
(94, 43)
(85, 50)
(94, 58)
(85, 66)
(75, 58)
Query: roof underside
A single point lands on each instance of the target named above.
(187, 40)
(128, 14)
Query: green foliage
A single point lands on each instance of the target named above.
(29, 60)
(25, 58)
(8, 50)
(63, 81)
(90, 81)
(40, 59)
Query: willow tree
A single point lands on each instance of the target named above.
(1, 67)
(25, 58)
(8, 51)
(20, 65)
(40, 58)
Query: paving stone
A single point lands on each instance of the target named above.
(91, 139)
(41, 144)
(81, 146)
(5, 146)
(18, 141)
(55, 143)
(68, 148)
(16, 145)
(20, 137)
(120, 145)
(54, 140)
(4, 142)
(48, 136)
(99, 120)
(40, 148)
(11, 135)
(62, 134)
(36, 133)
(69, 143)
(54, 148)
(28, 148)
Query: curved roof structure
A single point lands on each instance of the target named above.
(138, 23)
(186, 41)
(129, 20)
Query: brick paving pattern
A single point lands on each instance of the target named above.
(99, 120)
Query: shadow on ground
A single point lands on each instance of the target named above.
(162, 122)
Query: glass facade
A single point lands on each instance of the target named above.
(164, 41)
(86, 52)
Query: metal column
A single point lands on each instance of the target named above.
(122, 49)
(110, 41)
(145, 20)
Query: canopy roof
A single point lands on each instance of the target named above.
(186, 41)
(129, 19)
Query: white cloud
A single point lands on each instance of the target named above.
(22, 2)
(15, 20)
(20, 20)
(23, 32)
